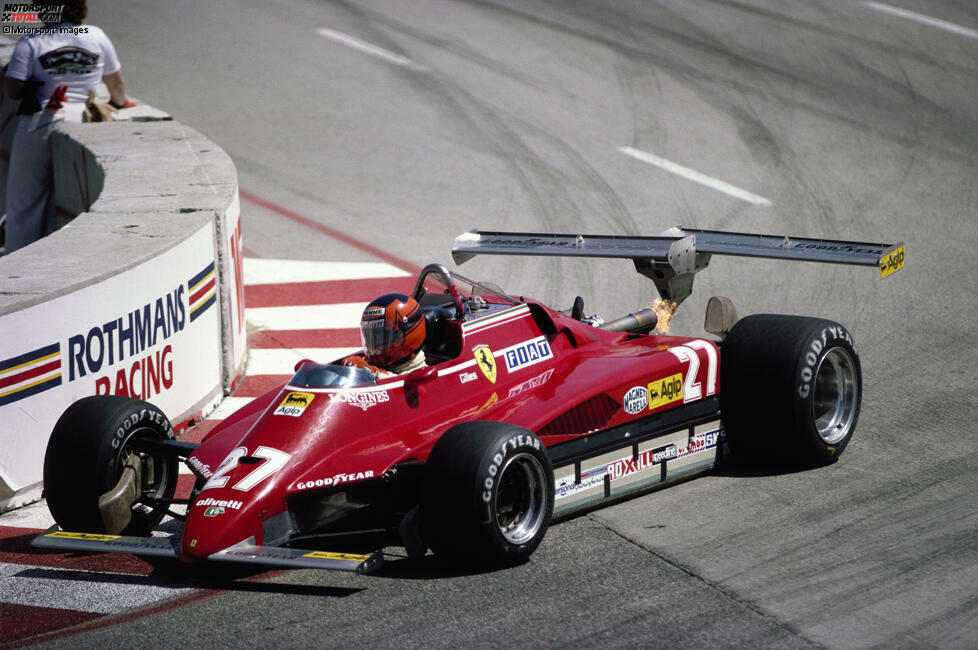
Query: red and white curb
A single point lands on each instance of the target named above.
(295, 310)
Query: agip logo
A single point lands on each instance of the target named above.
(294, 404)
(892, 262)
(666, 391)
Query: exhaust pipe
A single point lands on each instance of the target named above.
(640, 322)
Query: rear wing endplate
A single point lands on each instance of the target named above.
(672, 258)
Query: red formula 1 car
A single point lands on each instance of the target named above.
(524, 414)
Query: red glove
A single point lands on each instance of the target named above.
(356, 361)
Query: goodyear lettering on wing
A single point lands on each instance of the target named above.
(525, 354)
(294, 404)
(666, 391)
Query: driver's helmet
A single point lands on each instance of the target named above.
(392, 329)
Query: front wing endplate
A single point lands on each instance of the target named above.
(294, 558)
(99, 543)
(245, 552)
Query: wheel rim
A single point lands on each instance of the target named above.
(157, 469)
(521, 498)
(836, 396)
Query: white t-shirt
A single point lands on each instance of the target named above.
(77, 55)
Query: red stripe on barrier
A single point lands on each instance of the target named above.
(330, 232)
(325, 292)
(203, 291)
(256, 385)
(33, 372)
(289, 339)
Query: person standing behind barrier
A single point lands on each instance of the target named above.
(66, 54)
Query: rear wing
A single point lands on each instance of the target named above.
(671, 259)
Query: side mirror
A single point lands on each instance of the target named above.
(302, 363)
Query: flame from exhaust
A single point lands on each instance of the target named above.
(664, 309)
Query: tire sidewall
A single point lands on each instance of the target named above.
(458, 517)
(823, 339)
(504, 447)
(84, 456)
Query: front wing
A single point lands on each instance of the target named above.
(245, 552)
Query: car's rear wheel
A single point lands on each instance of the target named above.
(89, 449)
(791, 388)
(489, 494)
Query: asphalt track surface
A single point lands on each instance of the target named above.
(852, 121)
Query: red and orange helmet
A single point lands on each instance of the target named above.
(392, 329)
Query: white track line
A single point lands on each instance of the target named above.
(925, 20)
(229, 405)
(267, 271)
(693, 175)
(371, 49)
(35, 515)
(281, 361)
(306, 317)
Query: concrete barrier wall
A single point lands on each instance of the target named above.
(141, 294)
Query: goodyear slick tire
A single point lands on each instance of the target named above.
(791, 388)
(488, 496)
(85, 456)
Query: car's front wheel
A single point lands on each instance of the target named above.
(90, 449)
(489, 494)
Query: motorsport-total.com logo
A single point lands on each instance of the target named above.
(31, 13)
(23, 18)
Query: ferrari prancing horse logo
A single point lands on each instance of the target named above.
(486, 361)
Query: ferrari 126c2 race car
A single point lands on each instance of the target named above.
(523, 415)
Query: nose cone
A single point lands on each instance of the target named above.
(218, 519)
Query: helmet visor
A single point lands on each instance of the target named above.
(381, 343)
